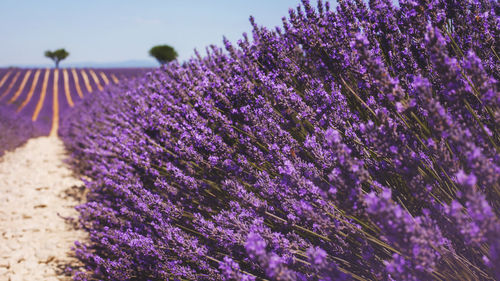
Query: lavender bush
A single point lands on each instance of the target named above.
(360, 143)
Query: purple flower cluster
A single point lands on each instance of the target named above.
(355, 143)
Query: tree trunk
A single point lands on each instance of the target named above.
(57, 64)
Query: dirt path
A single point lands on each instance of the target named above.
(35, 240)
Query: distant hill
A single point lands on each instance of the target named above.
(119, 64)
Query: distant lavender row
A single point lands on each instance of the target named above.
(356, 144)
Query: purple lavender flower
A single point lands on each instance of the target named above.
(359, 142)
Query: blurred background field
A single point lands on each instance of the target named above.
(33, 100)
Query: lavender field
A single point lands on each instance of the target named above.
(355, 143)
(44, 95)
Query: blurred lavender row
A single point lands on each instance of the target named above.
(14, 130)
(360, 143)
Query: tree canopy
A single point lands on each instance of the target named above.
(163, 53)
(57, 55)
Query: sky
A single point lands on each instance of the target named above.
(104, 31)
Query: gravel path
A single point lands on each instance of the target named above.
(36, 191)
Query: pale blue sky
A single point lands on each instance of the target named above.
(120, 30)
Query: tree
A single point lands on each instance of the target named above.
(163, 53)
(57, 55)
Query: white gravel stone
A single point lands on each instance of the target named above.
(34, 239)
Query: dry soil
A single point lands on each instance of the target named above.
(36, 189)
